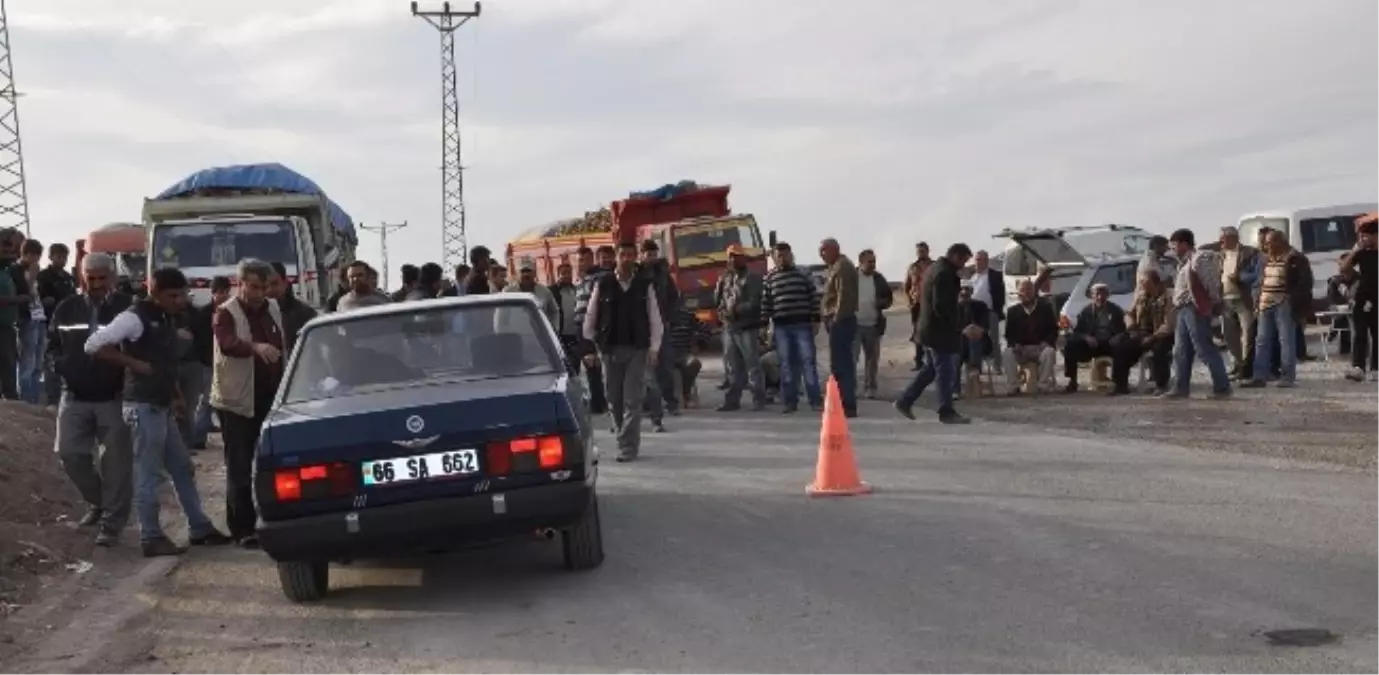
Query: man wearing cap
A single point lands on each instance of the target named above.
(1240, 267)
(1099, 330)
(740, 310)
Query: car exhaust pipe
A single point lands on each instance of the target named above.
(545, 534)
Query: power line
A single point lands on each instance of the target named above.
(14, 194)
(383, 229)
(454, 244)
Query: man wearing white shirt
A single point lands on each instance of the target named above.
(989, 288)
(624, 321)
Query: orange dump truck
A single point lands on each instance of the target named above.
(127, 243)
(692, 224)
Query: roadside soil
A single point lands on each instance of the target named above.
(1325, 419)
(51, 571)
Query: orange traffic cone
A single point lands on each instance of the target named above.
(836, 474)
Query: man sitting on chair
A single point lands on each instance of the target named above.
(1031, 333)
(1100, 327)
(1150, 322)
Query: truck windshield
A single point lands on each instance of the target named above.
(710, 240)
(223, 244)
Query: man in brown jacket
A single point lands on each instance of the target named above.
(914, 290)
(840, 320)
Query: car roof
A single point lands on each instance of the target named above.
(409, 306)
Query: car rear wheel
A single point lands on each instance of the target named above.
(304, 581)
(583, 542)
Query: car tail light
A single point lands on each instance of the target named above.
(313, 482)
(536, 453)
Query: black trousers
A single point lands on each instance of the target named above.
(9, 363)
(1128, 352)
(240, 435)
(919, 349)
(1077, 351)
(1365, 343)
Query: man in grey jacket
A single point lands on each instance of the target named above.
(740, 310)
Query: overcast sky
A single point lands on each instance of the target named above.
(880, 122)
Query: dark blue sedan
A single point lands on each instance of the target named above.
(423, 426)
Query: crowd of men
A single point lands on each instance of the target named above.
(137, 380)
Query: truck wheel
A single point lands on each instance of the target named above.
(304, 581)
(582, 543)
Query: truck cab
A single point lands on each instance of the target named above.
(211, 220)
(210, 246)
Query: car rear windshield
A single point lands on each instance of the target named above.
(425, 345)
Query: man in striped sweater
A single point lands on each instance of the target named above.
(790, 302)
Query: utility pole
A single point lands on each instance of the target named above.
(454, 245)
(14, 194)
(383, 229)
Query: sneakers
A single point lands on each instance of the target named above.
(107, 538)
(952, 417)
(1252, 384)
(1356, 375)
(905, 411)
(658, 427)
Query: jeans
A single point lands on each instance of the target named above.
(158, 448)
(842, 332)
(744, 362)
(1276, 323)
(33, 343)
(914, 323)
(974, 352)
(795, 345)
(940, 366)
(1192, 339)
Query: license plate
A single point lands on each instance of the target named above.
(438, 465)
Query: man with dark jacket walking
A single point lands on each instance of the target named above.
(941, 333)
(93, 442)
(143, 340)
(1285, 298)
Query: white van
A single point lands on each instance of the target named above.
(1321, 233)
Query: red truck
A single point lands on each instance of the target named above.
(692, 224)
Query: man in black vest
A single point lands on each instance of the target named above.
(144, 341)
(89, 413)
(624, 322)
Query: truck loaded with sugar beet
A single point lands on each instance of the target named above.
(692, 223)
(209, 221)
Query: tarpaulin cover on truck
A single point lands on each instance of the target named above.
(263, 177)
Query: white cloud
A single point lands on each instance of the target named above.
(878, 121)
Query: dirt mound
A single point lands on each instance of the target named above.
(38, 506)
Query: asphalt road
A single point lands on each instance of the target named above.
(992, 547)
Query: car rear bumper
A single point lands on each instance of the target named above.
(437, 524)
